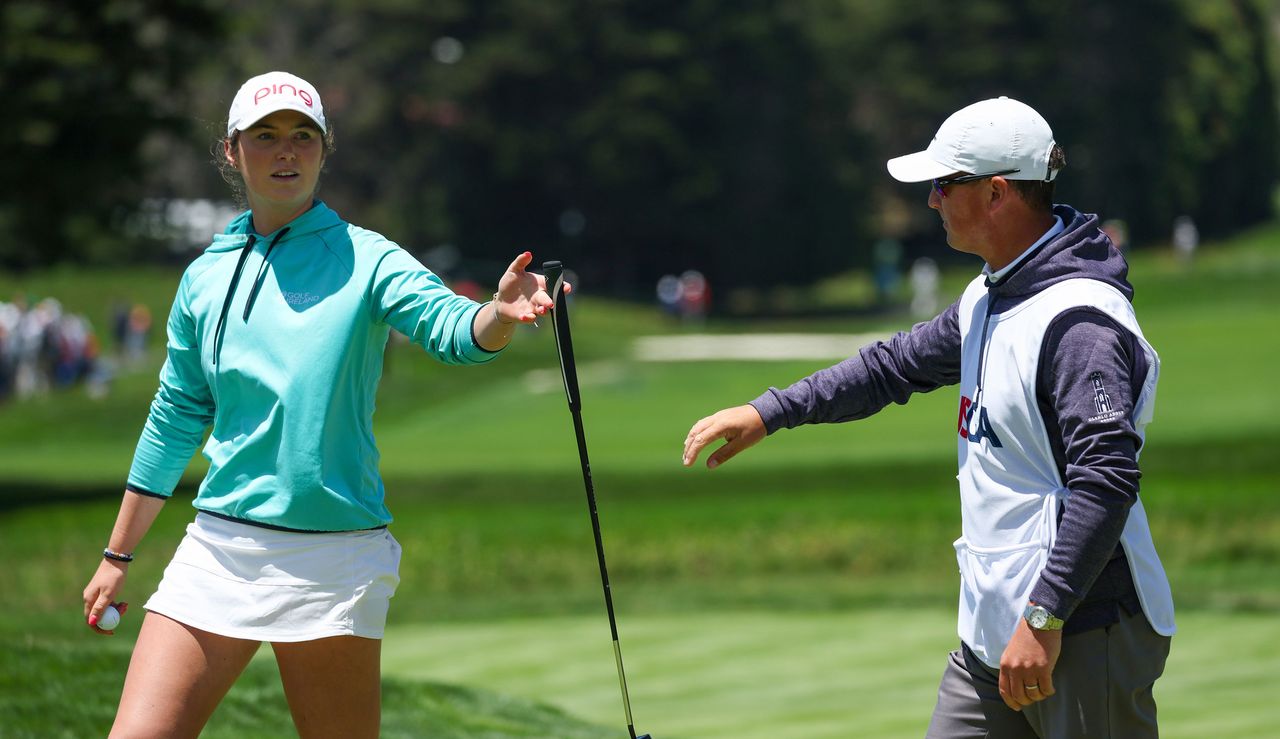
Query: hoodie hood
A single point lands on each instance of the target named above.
(240, 235)
(1081, 250)
(317, 218)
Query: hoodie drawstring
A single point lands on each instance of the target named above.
(221, 329)
(262, 271)
(226, 302)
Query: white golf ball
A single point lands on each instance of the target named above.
(109, 619)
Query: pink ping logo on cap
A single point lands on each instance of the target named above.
(271, 92)
(279, 89)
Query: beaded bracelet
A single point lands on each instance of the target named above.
(117, 556)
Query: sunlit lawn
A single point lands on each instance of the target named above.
(805, 590)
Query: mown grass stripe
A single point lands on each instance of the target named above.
(809, 675)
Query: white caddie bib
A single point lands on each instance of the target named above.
(1010, 488)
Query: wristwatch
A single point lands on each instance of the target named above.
(1040, 619)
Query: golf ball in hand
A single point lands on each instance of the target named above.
(109, 619)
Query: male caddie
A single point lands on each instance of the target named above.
(1065, 612)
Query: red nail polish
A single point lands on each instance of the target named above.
(93, 620)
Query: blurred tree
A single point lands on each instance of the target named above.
(84, 87)
(685, 134)
(628, 138)
(634, 138)
(1165, 107)
(1169, 110)
(1232, 73)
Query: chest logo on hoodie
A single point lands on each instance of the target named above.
(973, 424)
(300, 299)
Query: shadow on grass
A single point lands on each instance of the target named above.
(1247, 459)
(52, 689)
(521, 485)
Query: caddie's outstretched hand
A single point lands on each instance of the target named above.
(522, 296)
(741, 427)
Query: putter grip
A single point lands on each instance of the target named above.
(553, 271)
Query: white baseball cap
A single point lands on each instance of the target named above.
(996, 135)
(274, 91)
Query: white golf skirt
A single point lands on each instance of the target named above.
(249, 582)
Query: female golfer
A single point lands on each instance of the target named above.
(276, 340)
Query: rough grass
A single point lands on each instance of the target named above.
(52, 689)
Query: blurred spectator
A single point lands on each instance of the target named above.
(119, 323)
(924, 287)
(73, 350)
(669, 295)
(131, 329)
(469, 288)
(886, 256)
(695, 296)
(687, 297)
(9, 315)
(137, 332)
(31, 351)
(43, 347)
(1186, 237)
(1118, 231)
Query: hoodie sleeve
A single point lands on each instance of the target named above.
(415, 301)
(181, 411)
(924, 359)
(1087, 379)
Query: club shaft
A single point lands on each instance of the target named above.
(622, 680)
(599, 555)
(595, 520)
(580, 433)
(568, 369)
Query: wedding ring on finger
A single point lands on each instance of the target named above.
(1036, 686)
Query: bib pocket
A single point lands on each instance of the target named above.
(995, 583)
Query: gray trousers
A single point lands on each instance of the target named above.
(1102, 685)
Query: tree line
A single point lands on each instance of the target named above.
(633, 138)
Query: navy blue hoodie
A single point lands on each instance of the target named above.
(1086, 580)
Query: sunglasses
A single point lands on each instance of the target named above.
(941, 183)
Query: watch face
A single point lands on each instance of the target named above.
(1038, 617)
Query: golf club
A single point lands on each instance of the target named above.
(554, 272)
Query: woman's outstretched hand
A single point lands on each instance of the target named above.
(522, 296)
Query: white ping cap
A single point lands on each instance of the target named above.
(274, 91)
(995, 135)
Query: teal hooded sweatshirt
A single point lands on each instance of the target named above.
(277, 342)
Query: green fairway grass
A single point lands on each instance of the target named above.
(806, 589)
(870, 672)
(710, 674)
